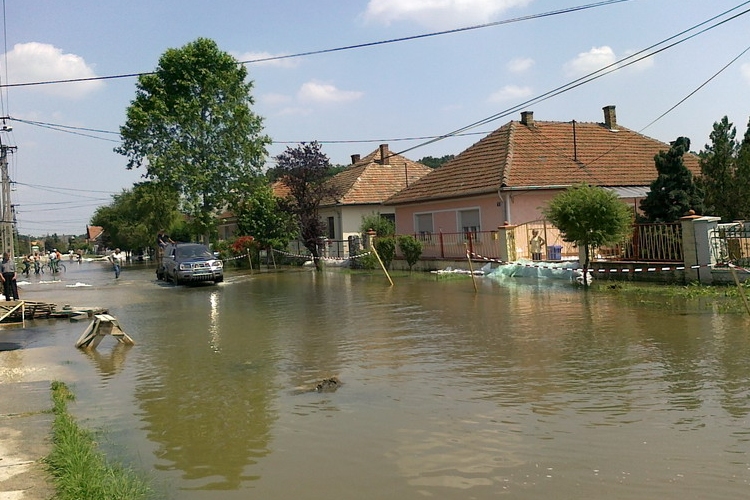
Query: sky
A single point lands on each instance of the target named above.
(403, 93)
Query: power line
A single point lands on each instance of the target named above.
(343, 48)
(615, 66)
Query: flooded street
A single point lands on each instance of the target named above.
(526, 389)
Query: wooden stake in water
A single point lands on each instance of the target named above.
(471, 268)
(250, 260)
(739, 288)
(372, 249)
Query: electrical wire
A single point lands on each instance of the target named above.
(594, 75)
(343, 48)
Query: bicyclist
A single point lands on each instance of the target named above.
(27, 259)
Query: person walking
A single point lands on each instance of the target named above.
(117, 258)
(8, 275)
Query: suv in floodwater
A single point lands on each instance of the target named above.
(184, 263)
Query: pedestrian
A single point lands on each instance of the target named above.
(536, 243)
(8, 275)
(117, 259)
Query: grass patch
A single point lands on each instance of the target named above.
(80, 470)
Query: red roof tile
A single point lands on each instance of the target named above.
(368, 181)
(544, 154)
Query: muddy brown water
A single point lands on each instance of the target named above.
(526, 389)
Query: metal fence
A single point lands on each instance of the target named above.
(653, 242)
(455, 245)
(730, 243)
(555, 247)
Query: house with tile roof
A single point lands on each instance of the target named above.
(363, 186)
(509, 175)
(94, 235)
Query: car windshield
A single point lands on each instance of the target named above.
(193, 251)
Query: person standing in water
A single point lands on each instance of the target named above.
(117, 258)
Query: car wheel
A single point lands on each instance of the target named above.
(219, 279)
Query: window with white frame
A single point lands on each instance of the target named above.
(423, 225)
(469, 222)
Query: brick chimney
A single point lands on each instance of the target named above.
(384, 155)
(610, 118)
(527, 118)
(355, 159)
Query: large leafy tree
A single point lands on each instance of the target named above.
(191, 127)
(305, 171)
(590, 217)
(135, 215)
(674, 192)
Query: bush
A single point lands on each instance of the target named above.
(411, 248)
(386, 248)
(367, 261)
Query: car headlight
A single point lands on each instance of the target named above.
(218, 264)
(186, 267)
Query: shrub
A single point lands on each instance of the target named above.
(411, 248)
(386, 248)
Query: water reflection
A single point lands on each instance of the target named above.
(525, 388)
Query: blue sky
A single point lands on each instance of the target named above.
(362, 97)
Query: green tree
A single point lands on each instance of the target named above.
(411, 248)
(674, 192)
(262, 216)
(304, 169)
(135, 215)
(590, 217)
(376, 222)
(742, 178)
(191, 127)
(436, 162)
(718, 164)
(386, 248)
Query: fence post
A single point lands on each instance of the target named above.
(696, 247)
(442, 249)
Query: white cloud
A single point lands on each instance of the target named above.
(323, 92)
(587, 62)
(520, 65)
(745, 72)
(260, 56)
(438, 13)
(510, 92)
(39, 62)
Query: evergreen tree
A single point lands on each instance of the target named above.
(674, 192)
(718, 171)
(742, 178)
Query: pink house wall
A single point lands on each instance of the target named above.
(524, 206)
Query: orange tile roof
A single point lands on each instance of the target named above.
(368, 181)
(93, 232)
(544, 154)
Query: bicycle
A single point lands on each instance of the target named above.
(55, 266)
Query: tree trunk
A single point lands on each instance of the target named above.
(586, 262)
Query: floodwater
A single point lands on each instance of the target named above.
(526, 389)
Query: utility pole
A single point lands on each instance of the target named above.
(6, 207)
